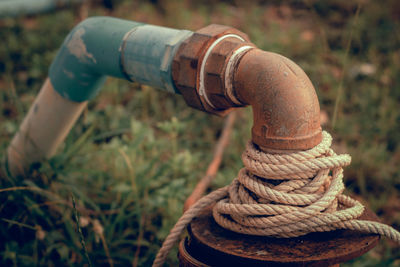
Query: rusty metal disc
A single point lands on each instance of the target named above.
(210, 244)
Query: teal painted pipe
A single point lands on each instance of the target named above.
(14, 8)
(96, 48)
(104, 46)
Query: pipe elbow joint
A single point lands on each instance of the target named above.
(285, 105)
(218, 69)
(90, 52)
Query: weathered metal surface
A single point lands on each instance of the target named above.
(89, 53)
(285, 105)
(187, 64)
(212, 245)
(104, 46)
(214, 79)
(286, 111)
(147, 55)
(185, 259)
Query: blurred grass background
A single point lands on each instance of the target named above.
(136, 153)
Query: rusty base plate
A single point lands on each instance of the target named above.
(212, 245)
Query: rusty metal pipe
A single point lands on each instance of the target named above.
(215, 69)
(285, 106)
(218, 69)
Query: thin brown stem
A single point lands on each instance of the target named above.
(139, 241)
(99, 230)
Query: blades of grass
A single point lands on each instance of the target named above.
(14, 96)
(345, 66)
(143, 175)
(67, 155)
(83, 197)
(81, 237)
(138, 139)
(142, 224)
(122, 215)
(130, 170)
(30, 202)
(32, 187)
(17, 188)
(19, 224)
(99, 230)
(126, 240)
(110, 134)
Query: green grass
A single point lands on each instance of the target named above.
(136, 153)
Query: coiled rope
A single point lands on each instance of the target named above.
(284, 195)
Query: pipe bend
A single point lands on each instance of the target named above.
(90, 52)
(285, 106)
(105, 46)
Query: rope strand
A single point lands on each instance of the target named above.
(284, 195)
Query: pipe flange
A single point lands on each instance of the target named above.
(219, 71)
(198, 69)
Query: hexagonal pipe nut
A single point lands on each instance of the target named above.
(187, 63)
(215, 72)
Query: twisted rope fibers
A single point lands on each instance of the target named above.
(284, 195)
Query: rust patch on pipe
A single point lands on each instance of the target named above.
(187, 64)
(285, 105)
(210, 244)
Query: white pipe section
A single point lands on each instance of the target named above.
(42, 131)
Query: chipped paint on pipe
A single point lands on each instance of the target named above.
(104, 46)
(89, 53)
(96, 48)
